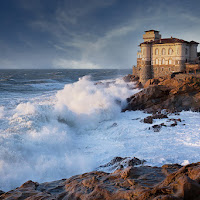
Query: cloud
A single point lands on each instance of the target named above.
(95, 34)
(74, 64)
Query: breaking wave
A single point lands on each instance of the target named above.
(42, 139)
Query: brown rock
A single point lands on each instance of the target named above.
(171, 94)
(169, 182)
(148, 120)
(130, 78)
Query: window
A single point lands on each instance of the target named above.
(169, 69)
(163, 51)
(152, 62)
(186, 51)
(170, 51)
(156, 51)
(163, 61)
(157, 61)
(177, 51)
(170, 61)
(162, 69)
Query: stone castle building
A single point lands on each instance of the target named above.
(164, 56)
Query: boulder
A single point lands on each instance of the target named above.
(131, 78)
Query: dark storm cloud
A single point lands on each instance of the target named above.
(87, 33)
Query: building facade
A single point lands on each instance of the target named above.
(159, 57)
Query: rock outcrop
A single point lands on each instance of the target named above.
(167, 93)
(138, 183)
(132, 78)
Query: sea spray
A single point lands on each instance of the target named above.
(48, 136)
(47, 139)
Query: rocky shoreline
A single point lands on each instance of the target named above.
(170, 94)
(131, 178)
(168, 182)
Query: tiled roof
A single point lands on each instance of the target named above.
(169, 40)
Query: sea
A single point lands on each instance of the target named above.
(62, 122)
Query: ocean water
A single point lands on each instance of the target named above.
(58, 123)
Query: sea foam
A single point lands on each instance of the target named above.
(81, 127)
(44, 139)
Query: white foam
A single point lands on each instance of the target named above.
(185, 162)
(80, 128)
(25, 108)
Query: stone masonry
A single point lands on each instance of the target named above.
(164, 56)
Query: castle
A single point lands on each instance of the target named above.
(164, 56)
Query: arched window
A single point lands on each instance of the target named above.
(163, 51)
(170, 51)
(156, 51)
(163, 61)
(170, 61)
(157, 61)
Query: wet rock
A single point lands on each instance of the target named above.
(148, 120)
(130, 78)
(156, 128)
(159, 116)
(147, 98)
(119, 162)
(175, 121)
(139, 183)
(171, 94)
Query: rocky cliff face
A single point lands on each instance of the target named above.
(139, 183)
(167, 93)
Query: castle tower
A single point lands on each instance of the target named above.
(151, 35)
(193, 51)
(145, 69)
(180, 64)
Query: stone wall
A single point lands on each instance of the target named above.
(163, 70)
(184, 76)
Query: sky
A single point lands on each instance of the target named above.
(88, 34)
